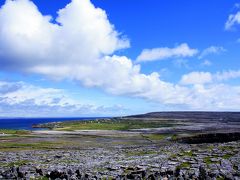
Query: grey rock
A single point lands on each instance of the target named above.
(226, 174)
(226, 164)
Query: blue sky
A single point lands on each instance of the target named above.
(111, 58)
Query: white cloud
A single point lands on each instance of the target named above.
(211, 50)
(226, 75)
(207, 92)
(18, 92)
(80, 47)
(196, 78)
(23, 99)
(75, 49)
(233, 19)
(30, 39)
(214, 97)
(207, 77)
(183, 50)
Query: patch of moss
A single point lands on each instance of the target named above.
(210, 147)
(226, 148)
(227, 156)
(188, 153)
(18, 163)
(220, 178)
(208, 161)
(184, 165)
(42, 178)
(174, 137)
(173, 156)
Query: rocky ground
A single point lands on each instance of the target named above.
(151, 161)
(168, 146)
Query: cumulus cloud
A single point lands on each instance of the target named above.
(207, 77)
(183, 50)
(233, 19)
(211, 50)
(21, 99)
(226, 75)
(196, 78)
(207, 92)
(80, 45)
(30, 39)
(214, 97)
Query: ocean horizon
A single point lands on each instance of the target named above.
(21, 123)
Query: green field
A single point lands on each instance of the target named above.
(111, 124)
(14, 132)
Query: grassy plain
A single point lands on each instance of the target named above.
(121, 124)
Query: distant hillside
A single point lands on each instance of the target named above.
(218, 116)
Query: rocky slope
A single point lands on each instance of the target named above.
(182, 161)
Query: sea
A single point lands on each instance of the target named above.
(26, 123)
